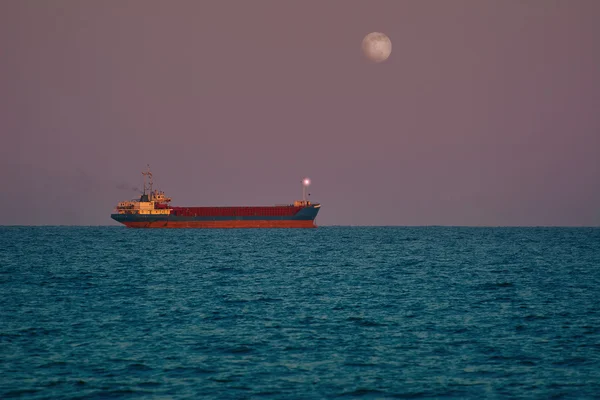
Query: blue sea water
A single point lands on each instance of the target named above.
(351, 312)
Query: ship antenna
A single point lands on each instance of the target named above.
(144, 174)
(149, 178)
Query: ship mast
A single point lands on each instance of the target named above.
(305, 184)
(149, 175)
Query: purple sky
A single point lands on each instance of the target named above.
(486, 113)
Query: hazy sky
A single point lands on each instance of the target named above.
(486, 113)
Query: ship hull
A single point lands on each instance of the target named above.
(220, 224)
(216, 218)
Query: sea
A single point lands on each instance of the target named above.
(332, 312)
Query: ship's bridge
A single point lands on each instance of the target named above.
(159, 197)
(143, 207)
(154, 203)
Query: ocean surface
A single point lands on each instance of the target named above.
(350, 312)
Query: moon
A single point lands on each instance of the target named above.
(377, 47)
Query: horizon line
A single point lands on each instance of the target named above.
(319, 226)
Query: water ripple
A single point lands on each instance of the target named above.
(334, 312)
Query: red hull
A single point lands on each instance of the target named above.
(222, 224)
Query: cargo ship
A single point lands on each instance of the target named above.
(153, 210)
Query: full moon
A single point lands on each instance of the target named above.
(377, 47)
